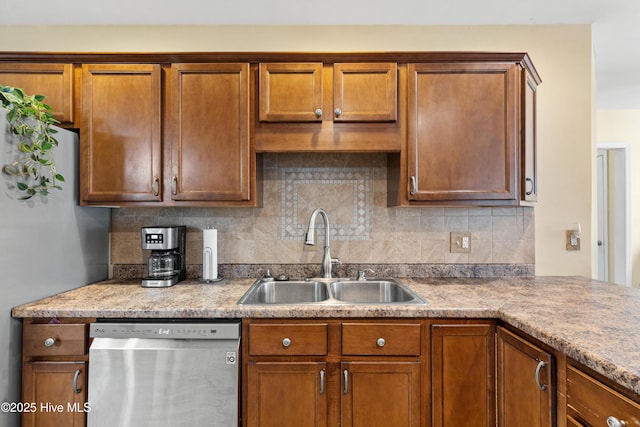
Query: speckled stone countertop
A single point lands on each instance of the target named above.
(595, 323)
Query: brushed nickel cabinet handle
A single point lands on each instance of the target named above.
(174, 185)
(345, 376)
(49, 342)
(529, 183)
(381, 342)
(414, 185)
(338, 112)
(541, 365)
(76, 390)
(318, 112)
(156, 185)
(322, 381)
(286, 342)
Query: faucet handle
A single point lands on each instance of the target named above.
(267, 276)
(362, 274)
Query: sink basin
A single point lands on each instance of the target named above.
(286, 292)
(329, 291)
(374, 292)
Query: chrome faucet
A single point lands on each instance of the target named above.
(327, 261)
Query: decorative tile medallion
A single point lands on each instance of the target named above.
(344, 193)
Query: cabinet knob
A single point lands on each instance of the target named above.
(381, 342)
(614, 422)
(286, 342)
(338, 112)
(318, 112)
(49, 342)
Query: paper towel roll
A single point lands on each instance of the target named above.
(210, 254)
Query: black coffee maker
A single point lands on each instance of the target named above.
(166, 265)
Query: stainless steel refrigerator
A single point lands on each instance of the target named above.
(46, 246)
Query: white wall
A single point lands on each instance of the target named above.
(561, 53)
(623, 126)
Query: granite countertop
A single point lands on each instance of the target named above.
(593, 322)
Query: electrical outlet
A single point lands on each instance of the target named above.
(573, 240)
(460, 242)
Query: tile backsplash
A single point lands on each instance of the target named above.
(352, 188)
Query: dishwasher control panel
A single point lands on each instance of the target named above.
(177, 330)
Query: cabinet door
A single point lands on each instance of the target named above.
(55, 81)
(210, 127)
(288, 394)
(462, 131)
(529, 144)
(365, 92)
(291, 92)
(380, 394)
(463, 375)
(526, 393)
(58, 391)
(120, 142)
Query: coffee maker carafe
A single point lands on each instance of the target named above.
(166, 264)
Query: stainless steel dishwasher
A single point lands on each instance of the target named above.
(163, 374)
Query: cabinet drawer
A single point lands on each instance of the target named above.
(395, 339)
(288, 340)
(592, 402)
(54, 340)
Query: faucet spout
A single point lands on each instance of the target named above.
(327, 261)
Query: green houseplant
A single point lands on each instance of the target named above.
(31, 122)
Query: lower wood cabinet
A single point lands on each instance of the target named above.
(287, 394)
(526, 389)
(364, 373)
(591, 403)
(54, 373)
(463, 374)
(380, 394)
(56, 392)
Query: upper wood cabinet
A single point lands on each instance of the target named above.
(295, 92)
(120, 141)
(365, 92)
(463, 132)
(210, 145)
(529, 129)
(55, 81)
(291, 92)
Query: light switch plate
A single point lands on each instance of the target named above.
(460, 242)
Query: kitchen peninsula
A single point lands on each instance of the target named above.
(582, 322)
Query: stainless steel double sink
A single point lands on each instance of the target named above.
(329, 291)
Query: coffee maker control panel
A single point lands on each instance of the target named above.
(154, 239)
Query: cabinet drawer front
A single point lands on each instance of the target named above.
(288, 340)
(592, 402)
(381, 339)
(54, 340)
